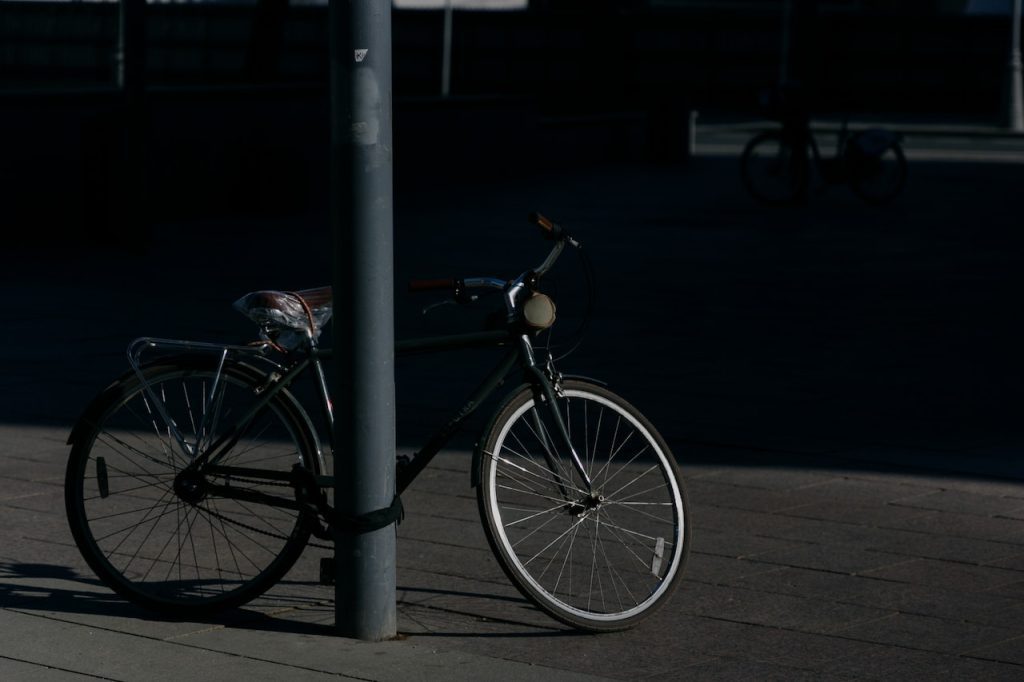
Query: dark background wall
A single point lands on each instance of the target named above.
(891, 56)
(233, 115)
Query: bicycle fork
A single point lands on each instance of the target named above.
(546, 387)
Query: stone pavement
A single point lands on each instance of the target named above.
(840, 383)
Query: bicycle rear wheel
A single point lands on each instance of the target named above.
(599, 560)
(876, 178)
(773, 170)
(158, 539)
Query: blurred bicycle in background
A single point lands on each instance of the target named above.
(776, 164)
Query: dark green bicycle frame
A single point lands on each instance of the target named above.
(520, 351)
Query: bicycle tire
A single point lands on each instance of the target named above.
(132, 524)
(601, 562)
(773, 172)
(877, 179)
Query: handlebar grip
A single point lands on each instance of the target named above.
(448, 284)
(541, 221)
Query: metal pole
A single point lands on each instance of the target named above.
(446, 56)
(128, 55)
(126, 199)
(787, 19)
(363, 384)
(1015, 91)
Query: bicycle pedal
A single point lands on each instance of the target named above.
(327, 570)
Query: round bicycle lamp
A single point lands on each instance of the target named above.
(539, 312)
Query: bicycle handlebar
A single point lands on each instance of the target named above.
(542, 222)
(552, 230)
(433, 284)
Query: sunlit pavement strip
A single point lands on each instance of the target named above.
(825, 569)
(988, 145)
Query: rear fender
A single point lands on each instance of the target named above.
(116, 391)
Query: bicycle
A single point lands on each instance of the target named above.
(197, 478)
(775, 164)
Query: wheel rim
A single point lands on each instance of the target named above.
(606, 556)
(877, 178)
(774, 173)
(147, 525)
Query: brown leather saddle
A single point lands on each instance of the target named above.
(308, 309)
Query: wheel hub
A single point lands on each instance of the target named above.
(584, 504)
(190, 486)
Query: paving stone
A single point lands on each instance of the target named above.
(737, 520)
(840, 558)
(817, 531)
(638, 654)
(964, 503)
(414, 659)
(465, 562)
(443, 528)
(17, 490)
(735, 545)
(424, 503)
(923, 632)
(773, 478)
(117, 656)
(860, 514)
(733, 669)
(712, 492)
(432, 596)
(854, 490)
(964, 525)
(891, 663)
(714, 569)
(930, 546)
(946, 574)
(947, 481)
(1010, 651)
(777, 610)
(954, 604)
(1013, 590)
(38, 672)
(1014, 562)
(825, 585)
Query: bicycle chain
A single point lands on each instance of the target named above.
(260, 531)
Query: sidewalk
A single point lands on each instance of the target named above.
(922, 141)
(840, 384)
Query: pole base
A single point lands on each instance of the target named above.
(327, 571)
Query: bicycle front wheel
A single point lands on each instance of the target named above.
(773, 170)
(154, 535)
(599, 559)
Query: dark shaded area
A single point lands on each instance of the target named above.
(829, 330)
(50, 588)
(224, 108)
(905, 56)
(826, 328)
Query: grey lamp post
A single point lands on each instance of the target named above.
(446, 56)
(1015, 112)
(363, 383)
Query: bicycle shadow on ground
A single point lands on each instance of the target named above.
(51, 589)
(35, 587)
(441, 613)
